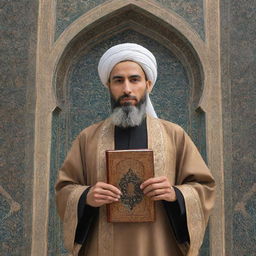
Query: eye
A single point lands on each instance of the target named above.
(118, 80)
(134, 79)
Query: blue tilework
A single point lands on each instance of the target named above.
(68, 11)
(88, 102)
(239, 115)
(191, 11)
(18, 21)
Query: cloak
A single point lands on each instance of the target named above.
(175, 156)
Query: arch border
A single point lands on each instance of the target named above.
(169, 16)
(48, 56)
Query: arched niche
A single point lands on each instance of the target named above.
(82, 100)
(134, 18)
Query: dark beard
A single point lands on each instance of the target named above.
(127, 115)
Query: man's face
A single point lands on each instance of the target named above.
(127, 83)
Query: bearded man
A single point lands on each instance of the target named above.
(183, 187)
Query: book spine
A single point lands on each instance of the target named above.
(108, 181)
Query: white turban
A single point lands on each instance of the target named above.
(131, 52)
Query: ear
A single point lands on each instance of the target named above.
(149, 86)
(108, 83)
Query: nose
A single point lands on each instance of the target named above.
(127, 87)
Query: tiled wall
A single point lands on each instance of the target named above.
(18, 21)
(191, 11)
(239, 112)
(87, 102)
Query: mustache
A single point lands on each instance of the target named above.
(116, 102)
(126, 96)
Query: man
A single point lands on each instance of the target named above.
(183, 187)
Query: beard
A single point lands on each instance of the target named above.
(128, 115)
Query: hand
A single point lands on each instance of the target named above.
(159, 188)
(102, 193)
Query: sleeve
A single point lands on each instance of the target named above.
(176, 213)
(86, 216)
(69, 188)
(196, 183)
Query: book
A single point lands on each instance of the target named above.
(127, 170)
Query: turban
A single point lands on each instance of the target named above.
(130, 52)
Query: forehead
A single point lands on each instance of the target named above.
(127, 68)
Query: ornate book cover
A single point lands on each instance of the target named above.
(127, 169)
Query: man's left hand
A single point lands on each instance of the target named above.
(159, 188)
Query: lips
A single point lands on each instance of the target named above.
(127, 99)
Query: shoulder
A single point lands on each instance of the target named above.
(170, 127)
(91, 130)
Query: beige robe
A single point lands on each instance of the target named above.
(175, 156)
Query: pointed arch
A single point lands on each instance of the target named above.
(175, 34)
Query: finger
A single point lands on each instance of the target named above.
(152, 180)
(112, 188)
(101, 202)
(96, 199)
(170, 197)
(155, 186)
(106, 192)
(161, 197)
(105, 198)
(158, 192)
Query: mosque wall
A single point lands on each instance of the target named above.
(35, 39)
(18, 30)
(69, 10)
(238, 65)
(83, 101)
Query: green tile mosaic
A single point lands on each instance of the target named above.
(68, 11)
(18, 20)
(191, 11)
(87, 101)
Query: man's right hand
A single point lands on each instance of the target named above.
(102, 193)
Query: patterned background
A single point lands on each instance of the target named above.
(87, 101)
(70, 10)
(18, 32)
